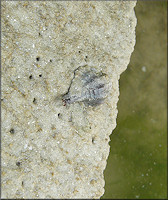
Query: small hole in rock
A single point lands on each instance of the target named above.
(18, 163)
(79, 51)
(59, 114)
(34, 100)
(40, 75)
(30, 77)
(86, 58)
(12, 131)
(50, 60)
(22, 183)
(38, 58)
(93, 140)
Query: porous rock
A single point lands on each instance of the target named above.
(61, 63)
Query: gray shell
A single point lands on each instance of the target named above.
(88, 86)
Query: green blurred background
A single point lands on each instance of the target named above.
(137, 163)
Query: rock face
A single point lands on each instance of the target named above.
(61, 62)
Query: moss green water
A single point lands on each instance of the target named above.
(137, 164)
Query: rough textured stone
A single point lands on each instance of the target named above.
(61, 62)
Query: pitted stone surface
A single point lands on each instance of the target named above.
(52, 148)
